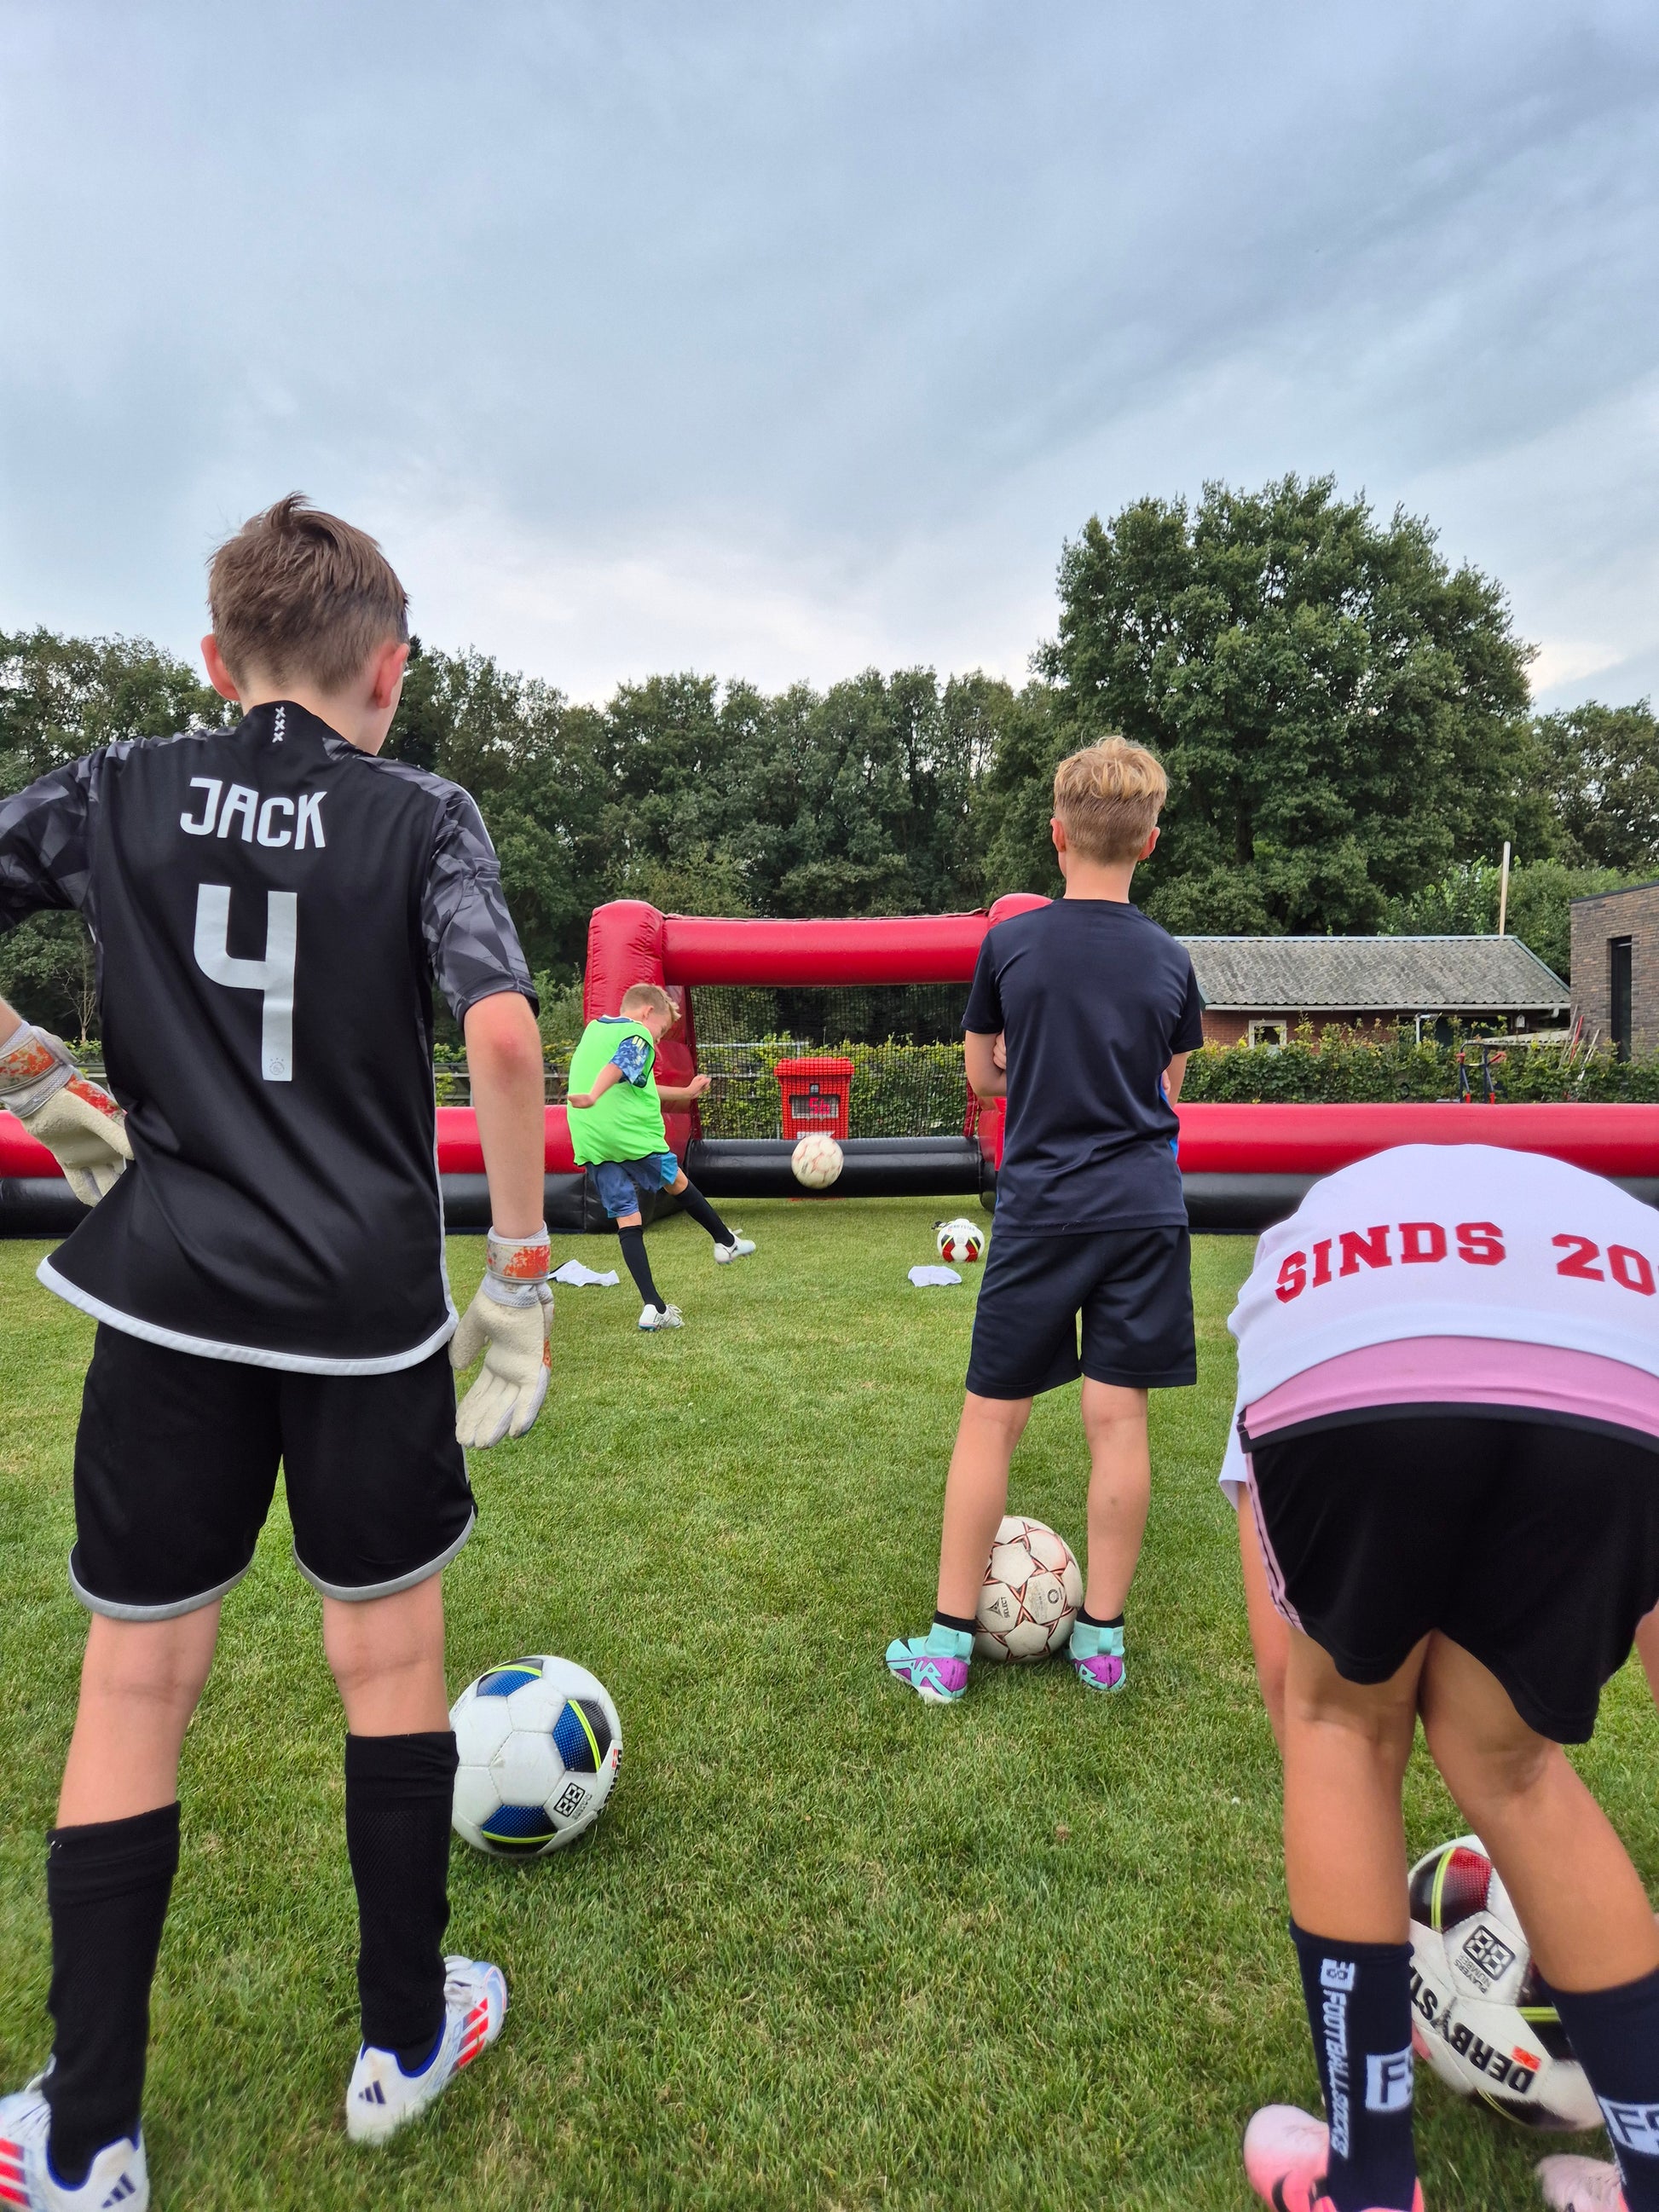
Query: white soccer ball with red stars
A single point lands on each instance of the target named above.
(961, 1241)
(816, 1162)
(1032, 1591)
(1480, 2016)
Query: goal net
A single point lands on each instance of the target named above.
(904, 1041)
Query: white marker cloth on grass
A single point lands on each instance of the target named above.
(926, 1278)
(580, 1278)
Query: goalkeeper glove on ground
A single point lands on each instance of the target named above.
(77, 1121)
(508, 1322)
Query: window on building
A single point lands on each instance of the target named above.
(1619, 994)
(1271, 1034)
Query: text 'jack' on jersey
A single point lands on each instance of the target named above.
(270, 908)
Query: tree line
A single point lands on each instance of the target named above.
(1344, 718)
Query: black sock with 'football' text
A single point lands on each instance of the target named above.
(1360, 2007)
(1615, 2035)
(107, 1886)
(632, 1251)
(400, 1790)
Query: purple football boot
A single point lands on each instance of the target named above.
(935, 1665)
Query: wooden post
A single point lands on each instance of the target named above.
(1503, 889)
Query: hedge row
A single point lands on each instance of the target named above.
(1331, 1068)
(901, 1090)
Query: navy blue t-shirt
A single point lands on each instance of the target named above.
(1094, 1001)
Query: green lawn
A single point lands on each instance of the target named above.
(829, 1946)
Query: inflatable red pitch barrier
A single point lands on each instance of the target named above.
(1243, 1166)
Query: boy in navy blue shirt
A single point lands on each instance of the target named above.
(1097, 1009)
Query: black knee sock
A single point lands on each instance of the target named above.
(705, 1216)
(955, 1620)
(1615, 2035)
(400, 1790)
(107, 1885)
(1360, 2007)
(633, 1251)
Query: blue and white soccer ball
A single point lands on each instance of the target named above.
(539, 1744)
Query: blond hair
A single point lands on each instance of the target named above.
(638, 996)
(1108, 798)
(298, 593)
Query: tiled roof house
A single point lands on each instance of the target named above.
(1260, 988)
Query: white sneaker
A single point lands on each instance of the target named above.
(1580, 2184)
(738, 1248)
(661, 1317)
(116, 2178)
(382, 2098)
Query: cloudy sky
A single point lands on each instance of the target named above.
(781, 341)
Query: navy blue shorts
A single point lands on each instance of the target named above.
(1132, 1288)
(622, 1183)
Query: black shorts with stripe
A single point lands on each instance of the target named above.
(176, 1462)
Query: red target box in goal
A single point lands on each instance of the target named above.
(816, 1096)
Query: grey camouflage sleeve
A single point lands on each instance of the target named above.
(44, 844)
(470, 941)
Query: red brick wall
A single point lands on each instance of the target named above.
(1595, 922)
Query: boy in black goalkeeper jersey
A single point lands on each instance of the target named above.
(270, 905)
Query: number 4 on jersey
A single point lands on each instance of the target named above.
(273, 976)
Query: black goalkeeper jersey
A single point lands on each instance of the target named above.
(270, 906)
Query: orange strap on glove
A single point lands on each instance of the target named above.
(77, 1120)
(510, 1322)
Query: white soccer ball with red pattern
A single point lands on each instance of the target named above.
(962, 1240)
(1480, 2017)
(816, 1162)
(1032, 1591)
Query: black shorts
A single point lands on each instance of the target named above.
(175, 1467)
(1133, 1287)
(1531, 1543)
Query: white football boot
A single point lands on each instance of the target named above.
(1580, 2184)
(382, 2098)
(117, 2179)
(661, 1317)
(739, 1249)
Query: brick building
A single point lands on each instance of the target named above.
(1258, 990)
(1615, 968)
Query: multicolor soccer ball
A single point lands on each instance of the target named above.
(816, 1162)
(961, 1240)
(539, 1743)
(1479, 2017)
(1032, 1590)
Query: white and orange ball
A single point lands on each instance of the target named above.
(961, 1241)
(816, 1162)
(1032, 1593)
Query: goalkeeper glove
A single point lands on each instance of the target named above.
(77, 1121)
(508, 1322)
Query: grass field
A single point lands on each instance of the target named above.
(829, 1946)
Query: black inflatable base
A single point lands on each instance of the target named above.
(914, 1167)
(872, 1167)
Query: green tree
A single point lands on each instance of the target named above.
(1601, 771)
(60, 697)
(1342, 715)
(1464, 903)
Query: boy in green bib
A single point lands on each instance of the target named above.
(617, 1130)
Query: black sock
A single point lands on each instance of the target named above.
(1098, 1620)
(955, 1620)
(399, 1792)
(107, 1885)
(1360, 2007)
(633, 1251)
(1615, 2035)
(705, 1216)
